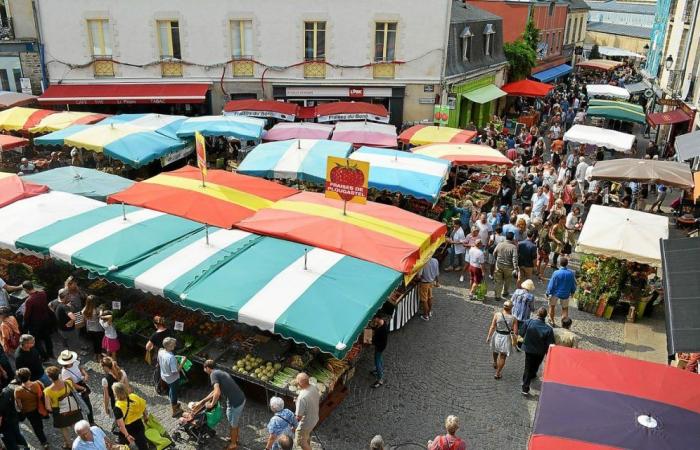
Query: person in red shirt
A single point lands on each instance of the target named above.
(449, 440)
(37, 319)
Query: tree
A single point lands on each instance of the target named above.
(595, 53)
(521, 58)
(531, 35)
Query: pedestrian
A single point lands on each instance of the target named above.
(377, 443)
(539, 203)
(76, 297)
(28, 356)
(465, 214)
(112, 374)
(9, 421)
(526, 191)
(580, 174)
(380, 339)
(61, 403)
(94, 330)
(449, 440)
(5, 291)
(110, 341)
(427, 279)
(564, 336)
(537, 337)
(90, 437)
(501, 336)
(223, 385)
(29, 400)
(283, 422)
(476, 262)
(170, 369)
(130, 413)
(506, 254)
(307, 411)
(496, 238)
(155, 342)
(561, 286)
(38, 319)
(523, 301)
(456, 251)
(527, 257)
(469, 242)
(568, 196)
(71, 370)
(26, 167)
(285, 442)
(661, 191)
(65, 321)
(9, 332)
(557, 238)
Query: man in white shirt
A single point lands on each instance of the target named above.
(525, 216)
(456, 252)
(554, 132)
(580, 175)
(592, 184)
(539, 203)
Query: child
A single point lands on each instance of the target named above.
(110, 342)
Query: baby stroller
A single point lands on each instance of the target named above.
(197, 426)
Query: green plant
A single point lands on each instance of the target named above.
(531, 35)
(521, 59)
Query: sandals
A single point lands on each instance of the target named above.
(497, 377)
(378, 383)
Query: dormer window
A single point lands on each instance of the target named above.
(489, 32)
(466, 36)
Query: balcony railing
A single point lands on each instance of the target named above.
(102, 66)
(170, 67)
(243, 66)
(7, 31)
(384, 70)
(315, 68)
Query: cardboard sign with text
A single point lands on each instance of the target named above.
(347, 179)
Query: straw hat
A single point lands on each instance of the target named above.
(67, 357)
(528, 285)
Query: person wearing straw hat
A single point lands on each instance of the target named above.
(71, 370)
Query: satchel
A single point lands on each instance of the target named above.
(40, 404)
(513, 337)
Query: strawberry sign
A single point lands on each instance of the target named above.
(346, 179)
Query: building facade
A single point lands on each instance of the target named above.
(575, 32)
(623, 25)
(20, 57)
(657, 38)
(390, 52)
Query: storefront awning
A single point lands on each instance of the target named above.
(688, 146)
(681, 276)
(262, 108)
(98, 94)
(528, 88)
(599, 64)
(667, 118)
(552, 73)
(337, 111)
(485, 94)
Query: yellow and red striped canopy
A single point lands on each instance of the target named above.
(65, 119)
(464, 154)
(423, 135)
(22, 119)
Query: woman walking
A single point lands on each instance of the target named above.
(283, 422)
(62, 405)
(94, 330)
(544, 248)
(501, 334)
(28, 398)
(113, 374)
(557, 235)
(72, 371)
(130, 413)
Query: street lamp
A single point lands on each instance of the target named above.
(646, 48)
(669, 62)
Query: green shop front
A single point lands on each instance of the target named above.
(473, 101)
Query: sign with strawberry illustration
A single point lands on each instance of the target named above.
(347, 179)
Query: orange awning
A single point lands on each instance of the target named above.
(13, 188)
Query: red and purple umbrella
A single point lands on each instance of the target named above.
(601, 401)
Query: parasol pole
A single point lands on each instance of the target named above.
(123, 212)
(206, 233)
(306, 254)
(345, 207)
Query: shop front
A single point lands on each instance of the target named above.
(473, 102)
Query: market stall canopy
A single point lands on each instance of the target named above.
(298, 159)
(337, 111)
(681, 277)
(14, 188)
(484, 94)
(599, 64)
(31, 214)
(374, 232)
(688, 146)
(238, 127)
(226, 198)
(366, 133)
(22, 119)
(600, 137)
(611, 109)
(614, 52)
(120, 93)
(606, 90)
(10, 99)
(666, 118)
(107, 238)
(424, 135)
(552, 73)
(527, 88)
(635, 88)
(408, 173)
(133, 145)
(65, 119)
(81, 181)
(465, 154)
(161, 123)
(618, 402)
(262, 109)
(298, 130)
(9, 142)
(669, 173)
(624, 234)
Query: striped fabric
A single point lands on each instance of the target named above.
(239, 127)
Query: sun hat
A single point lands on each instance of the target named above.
(67, 357)
(528, 285)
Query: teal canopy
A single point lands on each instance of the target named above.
(89, 183)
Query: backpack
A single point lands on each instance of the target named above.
(527, 191)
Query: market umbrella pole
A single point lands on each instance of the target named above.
(123, 212)
(206, 233)
(306, 254)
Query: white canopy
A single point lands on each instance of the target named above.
(600, 137)
(605, 90)
(614, 52)
(624, 234)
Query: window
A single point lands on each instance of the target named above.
(385, 41)
(17, 73)
(100, 39)
(489, 33)
(242, 38)
(581, 24)
(4, 80)
(466, 36)
(169, 39)
(551, 8)
(568, 30)
(314, 40)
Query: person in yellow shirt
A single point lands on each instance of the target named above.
(130, 413)
(62, 404)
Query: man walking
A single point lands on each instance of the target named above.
(527, 255)
(37, 319)
(506, 256)
(380, 339)
(537, 337)
(223, 384)
(580, 174)
(427, 278)
(170, 372)
(564, 336)
(307, 411)
(561, 286)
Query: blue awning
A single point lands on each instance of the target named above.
(552, 73)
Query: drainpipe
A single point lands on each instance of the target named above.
(444, 91)
(40, 43)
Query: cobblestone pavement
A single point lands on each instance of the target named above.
(433, 368)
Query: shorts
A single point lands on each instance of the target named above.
(425, 291)
(563, 301)
(302, 435)
(233, 414)
(476, 274)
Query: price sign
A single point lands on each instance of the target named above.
(179, 326)
(117, 305)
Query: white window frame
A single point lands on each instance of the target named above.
(385, 40)
(245, 49)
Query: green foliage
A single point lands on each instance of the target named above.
(595, 53)
(521, 59)
(531, 35)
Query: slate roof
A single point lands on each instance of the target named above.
(623, 7)
(464, 12)
(575, 5)
(621, 30)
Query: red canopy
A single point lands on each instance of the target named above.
(667, 118)
(8, 142)
(527, 88)
(98, 94)
(13, 188)
(263, 108)
(337, 111)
